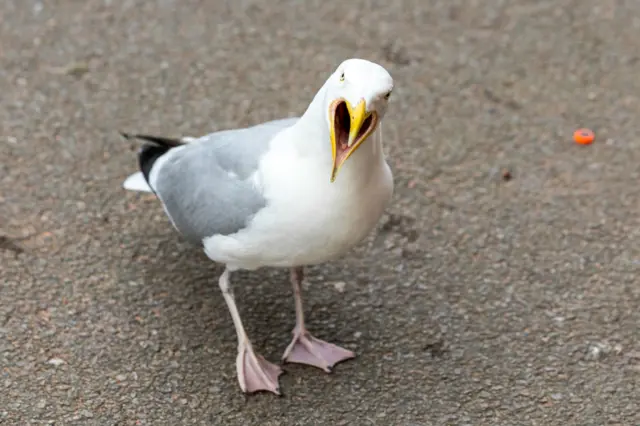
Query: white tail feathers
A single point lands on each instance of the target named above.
(136, 182)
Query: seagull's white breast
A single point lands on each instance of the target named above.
(308, 219)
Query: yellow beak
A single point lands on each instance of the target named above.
(358, 116)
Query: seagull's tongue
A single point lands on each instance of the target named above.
(342, 123)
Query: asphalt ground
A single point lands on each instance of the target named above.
(500, 289)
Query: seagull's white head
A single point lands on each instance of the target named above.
(357, 94)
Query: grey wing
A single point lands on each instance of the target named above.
(204, 184)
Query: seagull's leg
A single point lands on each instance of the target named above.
(254, 372)
(304, 348)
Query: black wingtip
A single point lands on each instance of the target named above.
(148, 155)
(153, 148)
(158, 140)
(126, 136)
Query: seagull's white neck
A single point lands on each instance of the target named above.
(318, 144)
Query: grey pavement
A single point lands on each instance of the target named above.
(502, 287)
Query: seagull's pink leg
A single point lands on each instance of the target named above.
(304, 348)
(254, 372)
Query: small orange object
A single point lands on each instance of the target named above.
(584, 136)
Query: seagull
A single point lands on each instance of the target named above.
(287, 193)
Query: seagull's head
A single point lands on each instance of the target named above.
(357, 96)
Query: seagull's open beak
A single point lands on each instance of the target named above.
(349, 128)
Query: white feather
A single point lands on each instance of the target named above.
(136, 182)
(308, 219)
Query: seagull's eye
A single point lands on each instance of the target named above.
(387, 95)
(342, 76)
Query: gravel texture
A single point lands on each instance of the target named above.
(502, 288)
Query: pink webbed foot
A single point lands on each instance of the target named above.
(256, 373)
(306, 349)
